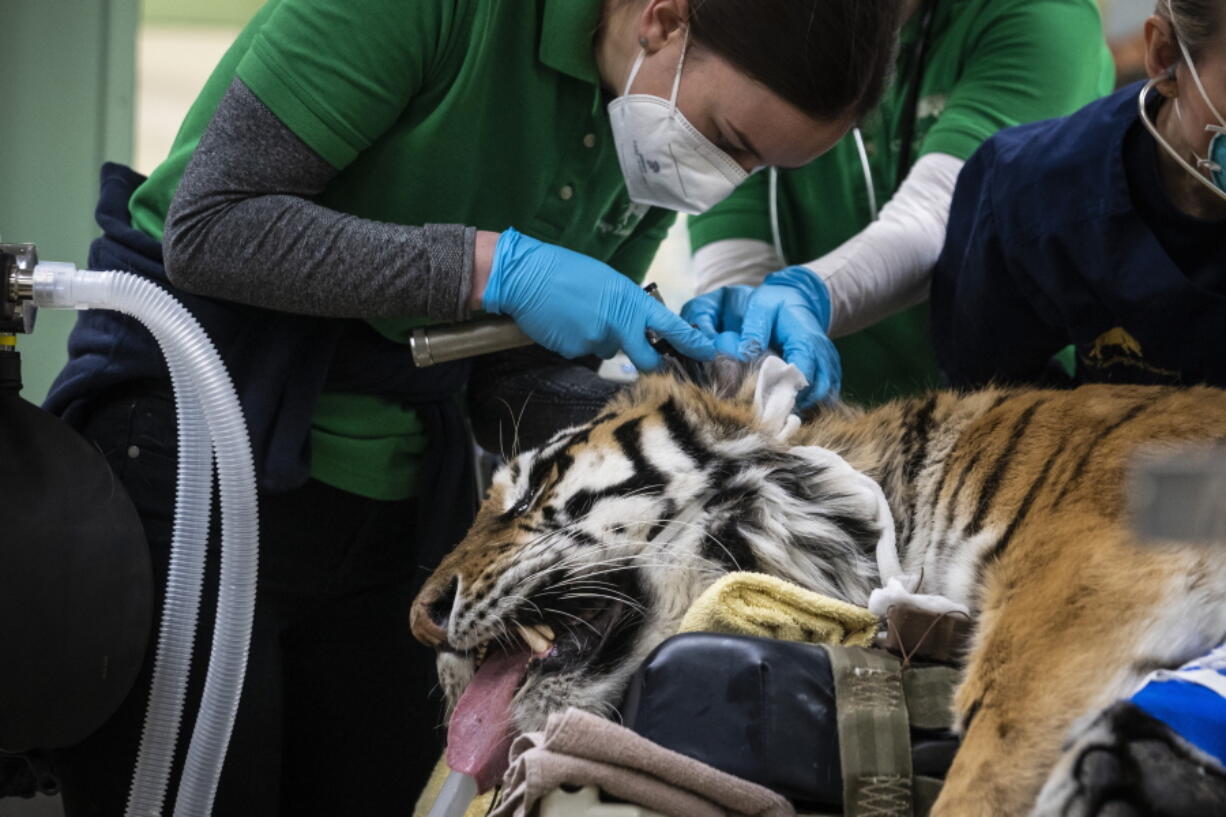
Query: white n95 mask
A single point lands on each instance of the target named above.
(665, 160)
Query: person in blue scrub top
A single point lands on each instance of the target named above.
(1105, 230)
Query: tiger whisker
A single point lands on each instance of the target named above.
(629, 603)
(588, 587)
(582, 621)
(525, 600)
(572, 559)
(596, 593)
(519, 421)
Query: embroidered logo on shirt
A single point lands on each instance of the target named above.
(1116, 347)
(622, 224)
(931, 106)
(1116, 338)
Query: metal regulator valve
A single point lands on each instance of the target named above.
(17, 309)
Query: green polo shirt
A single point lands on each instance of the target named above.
(487, 113)
(991, 64)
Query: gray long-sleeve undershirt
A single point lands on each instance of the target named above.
(242, 227)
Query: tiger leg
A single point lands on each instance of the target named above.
(1069, 623)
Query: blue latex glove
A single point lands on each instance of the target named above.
(718, 316)
(576, 305)
(790, 313)
(720, 310)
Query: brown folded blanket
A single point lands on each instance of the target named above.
(581, 749)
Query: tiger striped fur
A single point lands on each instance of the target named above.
(1011, 502)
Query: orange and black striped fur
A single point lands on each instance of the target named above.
(1009, 501)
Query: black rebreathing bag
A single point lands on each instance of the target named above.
(760, 709)
(76, 586)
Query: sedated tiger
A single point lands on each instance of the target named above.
(1010, 501)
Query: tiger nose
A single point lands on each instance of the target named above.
(430, 613)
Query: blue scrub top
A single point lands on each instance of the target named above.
(1192, 701)
(1047, 248)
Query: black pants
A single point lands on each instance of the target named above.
(339, 713)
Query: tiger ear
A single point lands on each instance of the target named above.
(727, 377)
(724, 376)
(683, 369)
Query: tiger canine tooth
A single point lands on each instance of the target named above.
(535, 640)
(547, 631)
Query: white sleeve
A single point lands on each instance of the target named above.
(887, 267)
(733, 261)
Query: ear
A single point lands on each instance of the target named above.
(685, 370)
(727, 377)
(1162, 55)
(660, 21)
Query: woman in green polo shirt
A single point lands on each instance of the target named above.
(873, 210)
(354, 168)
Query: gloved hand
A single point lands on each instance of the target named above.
(789, 312)
(718, 315)
(576, 305)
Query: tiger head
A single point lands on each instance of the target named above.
(589, 550)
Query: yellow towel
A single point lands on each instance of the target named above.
(761, 605)
(479, 808)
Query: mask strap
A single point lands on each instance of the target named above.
(634, 70)
(685, 42)
(1200, 86)
(1153, 129)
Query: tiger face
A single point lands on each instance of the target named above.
(590, 549)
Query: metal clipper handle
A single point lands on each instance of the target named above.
(455, 341)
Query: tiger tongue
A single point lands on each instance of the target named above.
(479, 735)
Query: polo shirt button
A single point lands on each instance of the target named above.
(133, 452)
(589, 141)
(567, 192)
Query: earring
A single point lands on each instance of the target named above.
(643, 42)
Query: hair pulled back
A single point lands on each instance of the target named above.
(1196, 22)
(829, 58)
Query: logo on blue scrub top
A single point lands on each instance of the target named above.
(1117, 347)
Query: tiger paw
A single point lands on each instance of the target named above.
(1126, 763)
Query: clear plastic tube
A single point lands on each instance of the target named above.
(456, 795)
(181, 608)
(205, 398)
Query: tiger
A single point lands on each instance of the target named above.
(1010, 501)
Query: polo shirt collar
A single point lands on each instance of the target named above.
(567, 37)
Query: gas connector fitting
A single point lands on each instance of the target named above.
(17, 310)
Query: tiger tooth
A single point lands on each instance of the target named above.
(535, 640)
(547, 631)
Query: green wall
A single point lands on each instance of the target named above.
(209, 12)
(67, 97)
(67, 94)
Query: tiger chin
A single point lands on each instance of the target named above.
(588, 551)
